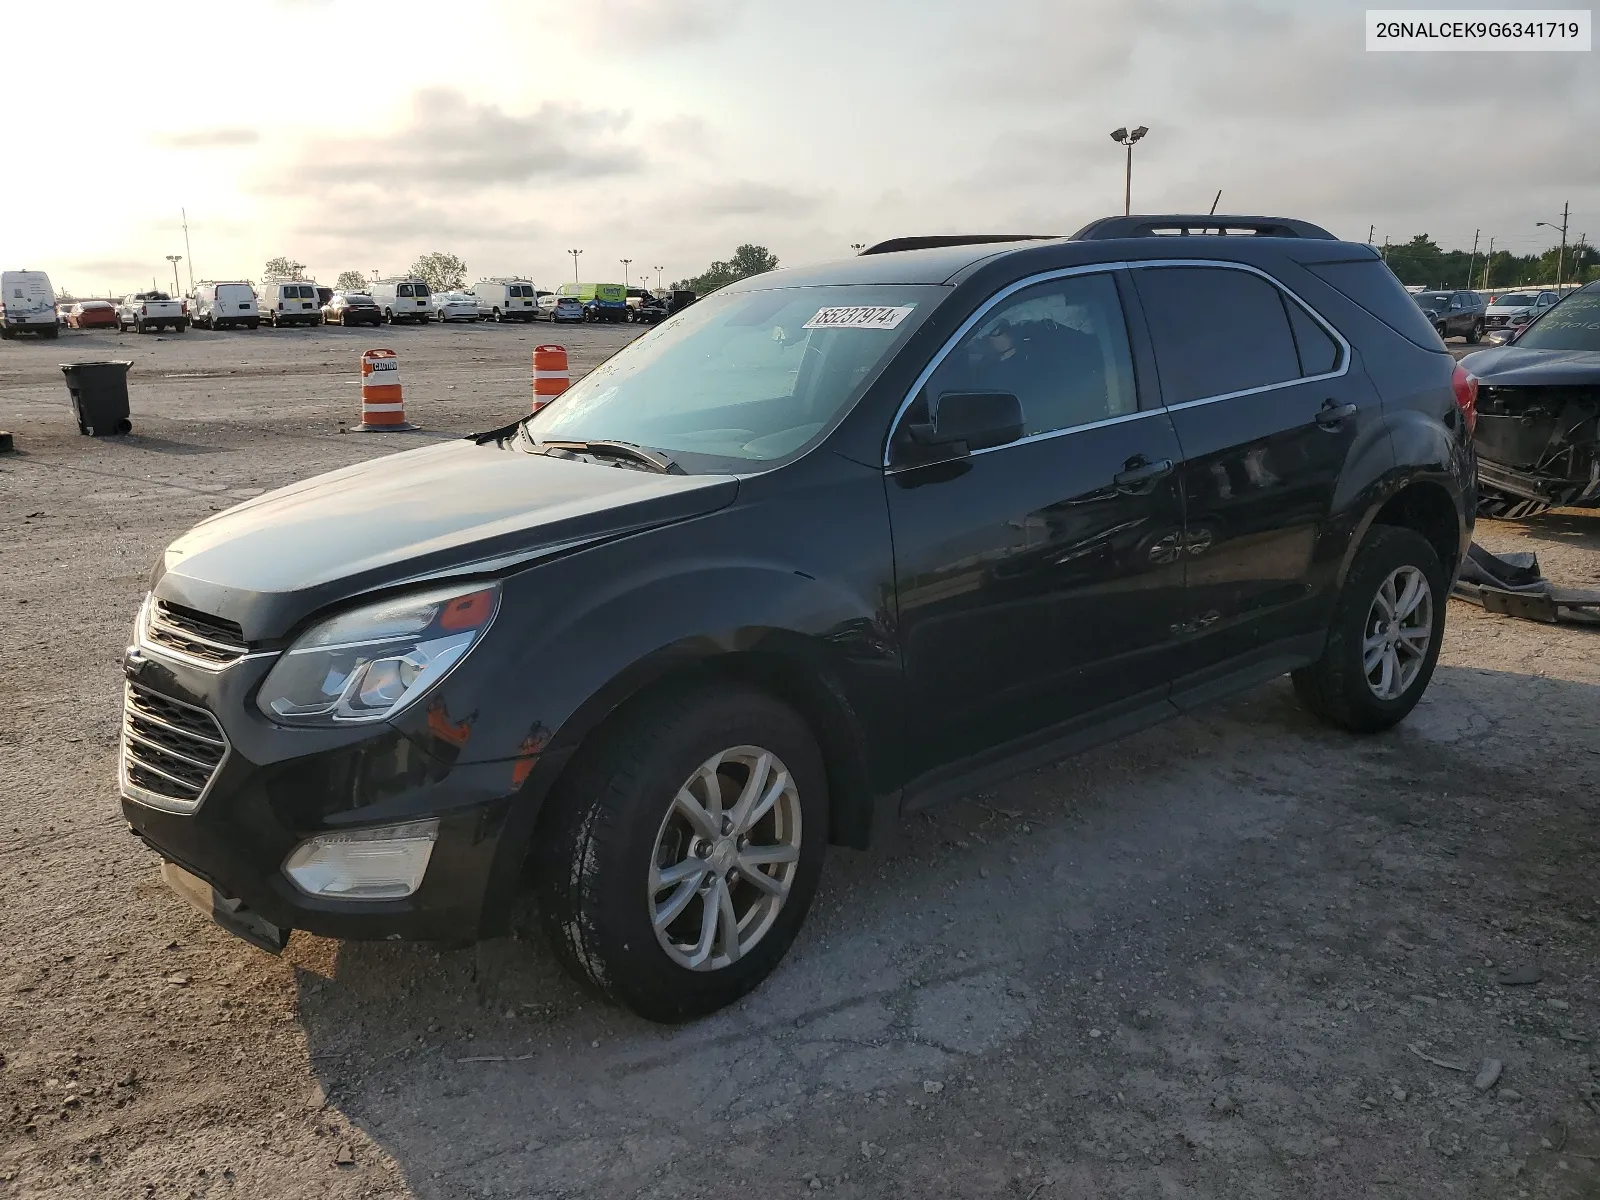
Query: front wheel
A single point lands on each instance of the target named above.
(1384, 638)
(681, 850)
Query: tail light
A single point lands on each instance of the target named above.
(1466, 389)
(184, 307)
(144, 310)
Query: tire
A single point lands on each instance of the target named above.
(612, 822)
(179, 327)
(1337, 688)
(497, 316)
(256, 324)
(50, 334)
(140, 326)
(1475, 335)
(1444, 332)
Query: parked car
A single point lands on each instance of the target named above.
(224, 305)
(290, 302)
(1538, 443)
(561, 308)
(324, 295)
(601, 301)
(27, 304)
(1517, 308)
(681, 299)
(454, 306)
(404, 300)
(1454, 313)
(835, 543)
(92, 314)
(352, 308)
(649, 310)
(151, 312)
(507, 299)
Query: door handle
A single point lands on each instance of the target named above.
(1332, 415)
(1139, 469)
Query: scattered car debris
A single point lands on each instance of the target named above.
(1438, 1062)
(1513, 586)
(1488, 1074)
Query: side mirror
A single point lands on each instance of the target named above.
(966, 421)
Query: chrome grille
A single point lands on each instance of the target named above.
(171, 751)
(211, 641)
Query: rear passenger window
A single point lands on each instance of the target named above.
(1216, 331)
(1059, 347)
(1319, 353)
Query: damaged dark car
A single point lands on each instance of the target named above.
(1538, 433)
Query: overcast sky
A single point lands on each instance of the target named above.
(348, 134)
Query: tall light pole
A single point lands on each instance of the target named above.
(1488, 261)
(184, 214)
(574, 254)
(1561, 254)
(624, 262)
(1471, 262)
(658, 278)
(175, 259)
(1124, 137)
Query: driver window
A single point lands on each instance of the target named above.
(1060, 347)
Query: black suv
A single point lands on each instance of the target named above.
(825, 547)
(1455, 313)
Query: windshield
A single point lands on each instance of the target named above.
(1515, 300)
(1574, 324)
(748, 377)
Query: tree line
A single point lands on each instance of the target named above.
(444, 272)
(1421, 262)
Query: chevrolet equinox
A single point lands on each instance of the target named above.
(823, 548)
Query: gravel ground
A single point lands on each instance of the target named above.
(1236, 956)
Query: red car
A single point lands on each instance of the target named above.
(92, 314)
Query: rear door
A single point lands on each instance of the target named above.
(1268, 408)
(1040, 582)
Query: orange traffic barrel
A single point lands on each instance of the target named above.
(549, 374)
(382, 403)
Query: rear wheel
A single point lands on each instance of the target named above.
(1383, 640)
(682, 848)
(256, 324)
(1475, 334)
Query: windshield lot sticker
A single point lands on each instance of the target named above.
(860, 316)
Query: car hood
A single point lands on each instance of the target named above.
(1498, 309)
(1513, 366)
(461, 507)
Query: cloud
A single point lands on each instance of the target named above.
(210, 139)
(452, 140)
(746, 198)
(652, 25)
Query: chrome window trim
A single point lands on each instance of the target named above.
(1097, 268)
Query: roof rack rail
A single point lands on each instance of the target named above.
(1199, 225)
(932, 241)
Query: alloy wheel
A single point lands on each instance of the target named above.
(725, 858)
(1399, 630)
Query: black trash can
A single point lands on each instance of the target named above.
(99, 396)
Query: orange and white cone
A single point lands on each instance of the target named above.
(383, 405)
(550, 377)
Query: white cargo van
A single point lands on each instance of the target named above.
(290, 302)
(507, 299)
(27, 304)
(403, 300)
(224, 305)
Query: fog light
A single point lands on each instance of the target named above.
(384, 863)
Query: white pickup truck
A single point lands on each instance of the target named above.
(145, 311)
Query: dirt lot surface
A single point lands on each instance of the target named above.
(1237, 956)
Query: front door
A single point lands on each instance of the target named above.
(1041, 580)
(1269, 409)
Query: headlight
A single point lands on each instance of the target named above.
(367, 664)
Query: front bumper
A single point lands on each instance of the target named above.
(276, 787)
(1548, 489)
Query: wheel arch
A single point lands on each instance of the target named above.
(1424, 506)
(782, 663)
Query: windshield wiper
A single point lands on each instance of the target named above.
(625, 451)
